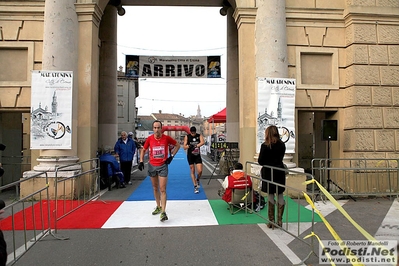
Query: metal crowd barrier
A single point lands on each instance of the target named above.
(32, 217)
(295, 229)
(26, 238)
(363, 177)
(73, 192)
(14, 166)
(358, 176)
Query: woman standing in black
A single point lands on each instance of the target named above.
(271, 154)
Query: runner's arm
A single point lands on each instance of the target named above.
(142, 152)
(175, 149)
(185, 144)
(202, 141)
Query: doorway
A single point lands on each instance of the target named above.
(14, 135)
(311, 144)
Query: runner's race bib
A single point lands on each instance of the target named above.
(158, 152)
(196, 151)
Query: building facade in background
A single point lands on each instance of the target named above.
(128, 91)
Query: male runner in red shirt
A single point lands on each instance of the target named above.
(158, 146)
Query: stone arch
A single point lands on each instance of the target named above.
(103, 3)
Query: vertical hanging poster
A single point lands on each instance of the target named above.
(276, 106)
(51, 110)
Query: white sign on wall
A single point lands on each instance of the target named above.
(276, 106)
(51, 110)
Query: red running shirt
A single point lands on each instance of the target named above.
(159, 148)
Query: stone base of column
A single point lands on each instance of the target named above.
(49, 164)
(287, 161)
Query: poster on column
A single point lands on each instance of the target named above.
(51, 110)
(276, 106)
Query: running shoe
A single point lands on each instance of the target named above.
(157, 210)
(198, 183)
(164, 217)
(196, 189)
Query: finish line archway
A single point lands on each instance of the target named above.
(176, 128)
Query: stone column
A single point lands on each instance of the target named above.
(271, 45)
(271, 40)
(60, 52)
(107, 109)
(89, 16)
(245, 20)
(232, 110)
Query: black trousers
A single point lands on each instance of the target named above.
(126, 168)
(3, 250)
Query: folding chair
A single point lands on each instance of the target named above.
(241, 198)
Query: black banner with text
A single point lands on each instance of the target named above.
(138, 66)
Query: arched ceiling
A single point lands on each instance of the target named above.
(205, 3)
(172, 2)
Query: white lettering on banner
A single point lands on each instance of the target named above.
(173, 66)
(168, 70)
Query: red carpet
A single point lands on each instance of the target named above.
(90, 216)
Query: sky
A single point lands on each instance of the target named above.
(175, 31)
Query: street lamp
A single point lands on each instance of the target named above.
(121, 10)
(226, 5)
